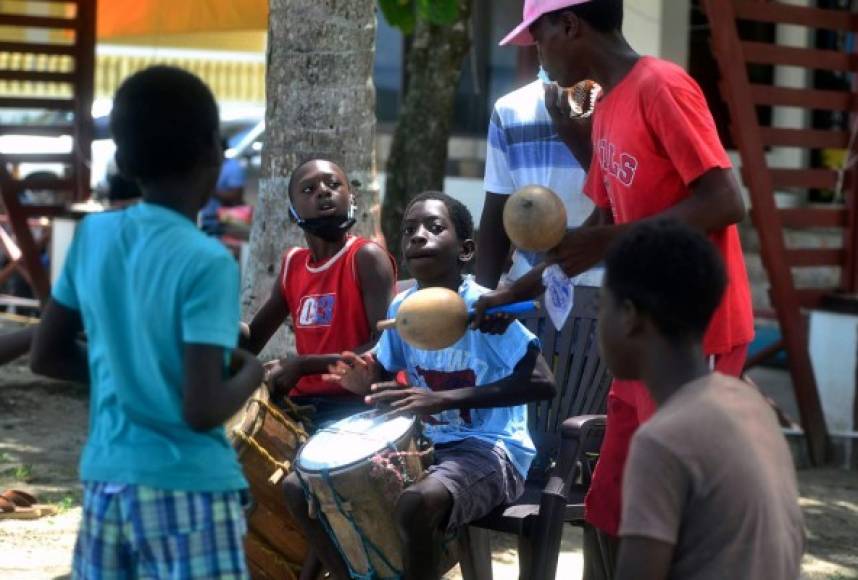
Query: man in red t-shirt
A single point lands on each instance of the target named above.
(656, 152)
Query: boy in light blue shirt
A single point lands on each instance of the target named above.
(477, 359)
(471, 397)
(158, 302)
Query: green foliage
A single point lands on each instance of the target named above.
(24, 473)
(399, 14)
(66, 503)
(440, 12)
(20, 473)
(403, 14)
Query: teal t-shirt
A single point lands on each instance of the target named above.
(146, 282)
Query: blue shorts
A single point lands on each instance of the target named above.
(479, 476)
(133, 531)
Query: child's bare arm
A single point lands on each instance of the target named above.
(531, 380)
(641, 557)
(16, 344)
(208, 398)
(56, 351)
(266, 321)
(377, 280)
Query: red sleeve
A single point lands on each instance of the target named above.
(284, 271)
(594, 186)
(682, 123)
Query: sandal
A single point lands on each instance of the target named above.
(19, 498)
(20, 505)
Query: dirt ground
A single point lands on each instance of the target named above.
(43, 425)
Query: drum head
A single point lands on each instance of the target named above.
(352, 440)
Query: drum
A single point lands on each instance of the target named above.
(355, 470)
(267, 440)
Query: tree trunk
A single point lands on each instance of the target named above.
(320, 103)
(418, 153)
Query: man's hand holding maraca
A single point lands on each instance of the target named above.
(582, 248)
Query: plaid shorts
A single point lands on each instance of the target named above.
(133, 531)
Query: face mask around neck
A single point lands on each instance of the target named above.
(330, 227)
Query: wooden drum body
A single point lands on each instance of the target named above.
(356, 469)
(267, 440)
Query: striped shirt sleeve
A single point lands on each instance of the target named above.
(498, 178)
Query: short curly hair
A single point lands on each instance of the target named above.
(164, 121)
(671, 273)
(462, 220)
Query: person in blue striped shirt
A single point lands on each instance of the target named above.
(530, 143)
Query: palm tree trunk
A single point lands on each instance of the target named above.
(320, 103)
(418, 153)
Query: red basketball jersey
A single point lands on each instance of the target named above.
(325, 301)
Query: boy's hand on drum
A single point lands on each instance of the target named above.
(354, 372)
(282, 374)
(397, 399)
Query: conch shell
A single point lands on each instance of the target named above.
(581, 98)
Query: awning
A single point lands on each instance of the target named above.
(124, 18)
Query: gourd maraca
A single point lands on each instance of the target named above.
(534, 218)
(435, 318)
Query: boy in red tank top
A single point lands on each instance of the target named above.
(335, 291)
(656, 152)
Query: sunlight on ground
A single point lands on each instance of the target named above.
(505, 558)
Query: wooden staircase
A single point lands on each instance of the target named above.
(753, 139)
(52, 78)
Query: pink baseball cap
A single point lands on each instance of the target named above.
(533, 9)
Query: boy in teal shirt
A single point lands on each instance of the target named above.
(158, 301)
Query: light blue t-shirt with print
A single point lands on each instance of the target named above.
(146, 282)
(477, 359)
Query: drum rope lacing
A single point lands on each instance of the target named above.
(285, 465)
(367, 544)
(388, 462)
(299, 432)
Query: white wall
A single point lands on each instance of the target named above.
(833, 344)
(642, 25)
